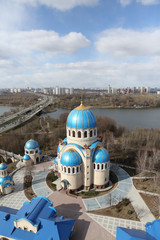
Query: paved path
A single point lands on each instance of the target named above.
(17, 198)
(149, 193)
(110, 223)
(142, 210)
(112, 198)
(39, 183)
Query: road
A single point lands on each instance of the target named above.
(25, 114)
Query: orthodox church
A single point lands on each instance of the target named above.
(32, 153)
(6, 183)
(82, 161)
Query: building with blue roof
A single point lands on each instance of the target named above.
(36, 220)
(32, 153)
(6, 182)
(82, 161)
(152, 232)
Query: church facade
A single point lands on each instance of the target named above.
(82, 161)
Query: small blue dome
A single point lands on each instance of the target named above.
(81, 118)
(40, 152)
(31, 144)
(3, 166)
(55, 160)
(3, 179)
(26, 157)
(100, 155)
(71, 158)
(58, 149)
(7, 185)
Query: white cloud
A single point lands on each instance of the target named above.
(125, 2)
(59, 4)
(129, 43)
(20, 43)
(81, 74)
(148, 2)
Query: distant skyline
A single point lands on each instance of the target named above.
(79, 43)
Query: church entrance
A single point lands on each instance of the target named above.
(64, 184)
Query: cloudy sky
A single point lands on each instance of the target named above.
(79, 43)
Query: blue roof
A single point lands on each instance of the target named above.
(3, 166)
(130, 234)
(7, 185)
(31, 144)
(100, 155)
(4, 179)
(58, 149)
(152, 232)
(71, 158)
(81, 119)
(38, 212)
(26, 157)
(56, 160)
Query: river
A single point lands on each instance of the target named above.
(130, 118)
(4, 109)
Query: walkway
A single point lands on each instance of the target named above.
(110, 223)
(142, 210)
(17, 198)
(112, 198)
(39, 183)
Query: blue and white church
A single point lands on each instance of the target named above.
(82, 161)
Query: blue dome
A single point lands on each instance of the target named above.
(31, 144)
(58, 149)
(26, 157)
(40, 152)
(3, 179)
(55, 160)
(100, 155)
(3, 166)
(81, 118)
(7, 185)
(71, 158)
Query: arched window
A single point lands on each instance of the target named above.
(61, 168)
(98, 166)
(31, 152)
(73, 170)
(77, 169)
(73, 134)
(80, 168)
(69, 132)
(64, 169)
(105, 165)
(91, 133)
(79, 134)
(94, 132)
(85, 134)
(102, 166)
(69, 170)
(26, 152)
(94, 166)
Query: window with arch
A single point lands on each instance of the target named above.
(26, 152)
(77, 169)
(98, 166)
(94, 165)
(69, 132)
(94, 132)
(80, 168)
(61, 168)
(73, 170)
(73, 134)
(102, 166)
(31, 152)
(85, 134)
(79, 134)
(105, 165)
(64, 169)
(91, 133)
(69, 170)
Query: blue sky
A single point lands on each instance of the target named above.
(79, 43)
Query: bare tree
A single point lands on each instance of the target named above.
(141, 161)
